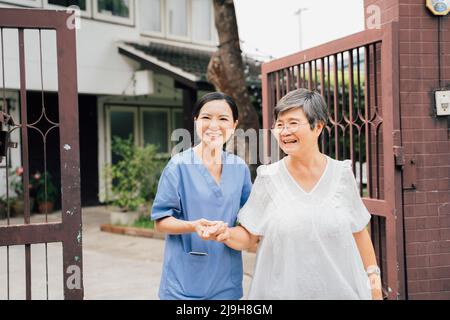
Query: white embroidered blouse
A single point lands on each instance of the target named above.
(307, 249)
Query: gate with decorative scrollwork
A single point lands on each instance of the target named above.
(358, 76)
(23, 237)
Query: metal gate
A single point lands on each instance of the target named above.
(359, 77)
(67, 231)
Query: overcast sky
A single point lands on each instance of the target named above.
(272, 28)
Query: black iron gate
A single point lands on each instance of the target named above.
(18, 23)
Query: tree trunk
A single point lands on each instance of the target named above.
(226, 68)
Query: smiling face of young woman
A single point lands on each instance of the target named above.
(215, 124)
(294, 134)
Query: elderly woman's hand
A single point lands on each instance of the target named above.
(211, 231)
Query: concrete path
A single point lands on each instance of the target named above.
(115, 266)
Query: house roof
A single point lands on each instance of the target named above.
(188, 66)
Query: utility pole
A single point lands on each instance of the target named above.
(300, 30)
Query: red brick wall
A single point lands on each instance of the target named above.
(427, 207)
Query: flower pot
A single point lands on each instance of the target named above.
(3, 210)
(123, 218)
(45, 207)
(17, 208)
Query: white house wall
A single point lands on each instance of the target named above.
(101, 69)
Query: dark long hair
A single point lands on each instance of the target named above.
(213, 96)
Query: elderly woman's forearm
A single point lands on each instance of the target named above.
(365, 248)
(240, 239)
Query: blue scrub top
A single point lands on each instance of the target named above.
(187, 191)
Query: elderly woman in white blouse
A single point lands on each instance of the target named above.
(308, 216)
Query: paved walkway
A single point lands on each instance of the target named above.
(115, 266)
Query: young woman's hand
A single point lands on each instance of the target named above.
(211, 232)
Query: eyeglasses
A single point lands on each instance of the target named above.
(290, 127)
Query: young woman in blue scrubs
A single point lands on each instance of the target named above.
(200, 192)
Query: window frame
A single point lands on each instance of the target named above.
(211, 26)
(173, 112)
(84, 13)
(118, 20)
(25, 3)
(163, 22)
(164, 34)
(188, 36)
(119, 108)
(166, 110)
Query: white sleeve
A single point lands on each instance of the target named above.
(359, 216)
(254, 214)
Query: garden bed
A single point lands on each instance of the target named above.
(132, 231)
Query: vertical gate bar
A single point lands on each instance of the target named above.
(316, 81)
(367, 120)
(350, 102)
(299, 84)
(343, 85)
(287, 73)
(328, 82)
(375, 82)
(303, 75)
(309, 75)
(277, 85)
(360, 159)
(265, 111)
(26, 169)
(8, 222)
(70, 160)
(395, 244)
(282, 83)
(322, 76)
(45, 159)
(375, 96)
(336, 102)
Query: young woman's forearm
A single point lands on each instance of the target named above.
(171, 225)
(240, 239)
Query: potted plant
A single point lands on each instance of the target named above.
(16, 185)
(132, 180)
(46, 192)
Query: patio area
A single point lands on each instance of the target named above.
(115, 266)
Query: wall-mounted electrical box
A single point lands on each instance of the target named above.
(442, 102)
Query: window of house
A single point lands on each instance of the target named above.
(177, 18)
(150, 14)
(120, 11)
(122, 123)
(185, 20)
(84, 5)
(177, 123)
(155, 128)
(28, 3)
(201, 20)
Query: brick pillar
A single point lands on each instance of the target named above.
(426, 139)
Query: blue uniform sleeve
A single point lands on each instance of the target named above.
(246, 188)
(167, 200)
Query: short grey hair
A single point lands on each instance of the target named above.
(311, 102)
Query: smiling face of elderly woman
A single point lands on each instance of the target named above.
(299, 119)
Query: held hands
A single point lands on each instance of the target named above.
(212, 230)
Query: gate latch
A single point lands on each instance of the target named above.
(408, 165)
